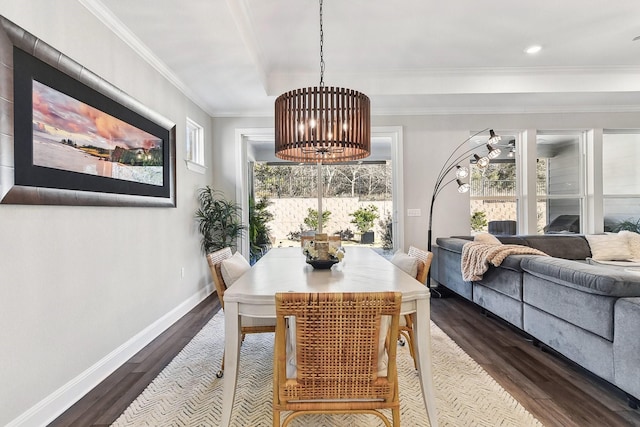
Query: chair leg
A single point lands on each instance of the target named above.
(411, 340)
(220, 373)
(395, 417)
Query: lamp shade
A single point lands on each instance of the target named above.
(482, 162)
(463, 187)
(493, 152)
(493, 138)
(322, 124)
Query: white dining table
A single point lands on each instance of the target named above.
(286, 270)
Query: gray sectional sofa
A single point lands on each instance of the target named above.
(588, 313)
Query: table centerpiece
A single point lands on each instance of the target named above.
(321, 252)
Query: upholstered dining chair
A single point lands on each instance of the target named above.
(423, 261)
(223, 263)
(338, 364)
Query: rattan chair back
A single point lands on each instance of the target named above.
(424, 263)
(249, 325)
(215, 261)
(406, 326)
(337, 345)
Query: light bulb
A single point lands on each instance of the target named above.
(462, 171)
(312, 123)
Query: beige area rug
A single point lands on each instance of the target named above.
(187, 392)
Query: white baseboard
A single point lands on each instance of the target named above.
(52, 406)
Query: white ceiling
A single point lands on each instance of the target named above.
(234, 57)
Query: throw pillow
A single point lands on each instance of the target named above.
(487, 238)
(406, 263)
(633, 241)
(608, 247)
(234, 267)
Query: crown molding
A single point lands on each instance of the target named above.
(104, 15)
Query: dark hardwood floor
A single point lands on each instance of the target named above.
(104, 404)
(553, 389)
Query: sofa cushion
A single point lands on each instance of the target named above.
(594, 353)
(513, 240)
(608, 247)
(589, 311)
(626, 356)
(453, 244)
(560, 246)
(584, 277)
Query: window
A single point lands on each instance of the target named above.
(559, 182)
(621, 179)
(493, 191)
(291, 191)
(195, 147)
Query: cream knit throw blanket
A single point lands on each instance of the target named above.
(477, 256)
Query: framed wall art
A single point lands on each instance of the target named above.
(68, 137)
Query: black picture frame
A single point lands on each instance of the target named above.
(27, 63)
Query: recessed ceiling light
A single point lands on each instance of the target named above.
(533, 49)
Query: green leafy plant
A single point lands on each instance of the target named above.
(259, 218)
(364, 218)
(628, 225)
(311, 220)
(219, 220)
(387, 233)
(478, 221)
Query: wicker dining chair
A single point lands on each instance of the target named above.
(406, 324)
(249, 325)
(338, 338)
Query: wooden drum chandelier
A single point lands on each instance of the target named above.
(322, 124)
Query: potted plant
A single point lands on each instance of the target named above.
(478, 221)
(311, 221)
(364, 218)
(219, 220)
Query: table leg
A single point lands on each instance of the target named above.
(232, 339)
(422, 331)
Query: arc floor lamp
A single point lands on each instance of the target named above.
(453, 163)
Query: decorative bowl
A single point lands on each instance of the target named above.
(322, 264)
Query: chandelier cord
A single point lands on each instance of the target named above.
(321, 49)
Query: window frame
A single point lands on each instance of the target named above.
(194, 147)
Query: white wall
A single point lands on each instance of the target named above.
(78, 283)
